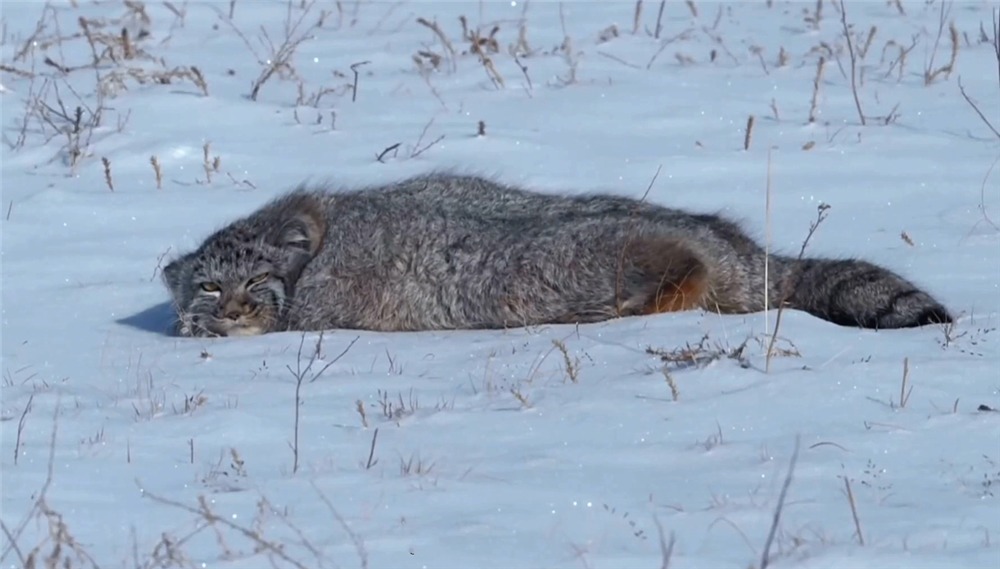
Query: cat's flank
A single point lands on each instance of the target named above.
(448, 252)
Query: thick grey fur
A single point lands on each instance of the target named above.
(445, 251)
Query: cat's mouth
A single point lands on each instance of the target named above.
(211, 326)
(242, 326)
(245, 330)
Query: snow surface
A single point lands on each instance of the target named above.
(491, 451)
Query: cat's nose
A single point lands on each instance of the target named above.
(236, 308)
(233, 309)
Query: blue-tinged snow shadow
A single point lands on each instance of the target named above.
(158, 319)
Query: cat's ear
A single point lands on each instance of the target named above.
(302, 230)
(176, 275)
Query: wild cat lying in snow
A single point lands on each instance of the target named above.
(445, 251)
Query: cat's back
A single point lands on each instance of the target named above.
(466, 196)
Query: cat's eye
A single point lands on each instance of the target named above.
(258, 279)
(210, 287)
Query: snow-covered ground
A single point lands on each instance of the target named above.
(632, 443)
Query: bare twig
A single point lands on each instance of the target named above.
(854, 61)
(982, 195)
(20, 428)
(821, 214)
(931, 74)
(659, 20)
(524, 71)
(39, 504)
(666, 547)
(300, 373)
(975, 108)
(212, 519)
(354, 86)
(381, 155)
(996, 39)
(359, 544)
(280, 57)
(372, 461)
(417, 150)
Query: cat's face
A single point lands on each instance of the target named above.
(231, 290)
(241, 280)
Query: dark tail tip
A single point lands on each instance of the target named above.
(934, 315)
(858, 293)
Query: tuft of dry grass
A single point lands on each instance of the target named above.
(699, 354)
(278, 61)
(931, 73)
(445, 42)
(571, 365)
(521, 397)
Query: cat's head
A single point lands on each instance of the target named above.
(241, 280)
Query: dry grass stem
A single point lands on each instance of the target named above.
(359, 406)
(636, 17)
(20, 428)
(380, 157)
(854, 62)
(666, 547)
(354, 86)
(107, 173)
(372, 461)
(417, 149)
(675, 392)
(930, 73)
(854, 512)
(975, 108)
(659, 20)
(904, 393)
(521, 397)
(300, 374)
(821, 215)
(157, 171)
(572, 367)
(765, 558)
(433, 26)
(817, 81)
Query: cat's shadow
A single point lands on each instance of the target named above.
(157, 319)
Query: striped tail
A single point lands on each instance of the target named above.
(857, 293)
